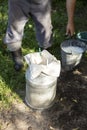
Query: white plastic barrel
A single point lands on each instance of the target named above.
(41, 91)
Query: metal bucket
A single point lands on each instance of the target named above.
(71, 53)
(41, 91)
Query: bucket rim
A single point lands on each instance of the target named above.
(64, 45)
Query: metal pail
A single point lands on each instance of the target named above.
(41, 91)
(71, 53)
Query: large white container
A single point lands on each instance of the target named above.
(41, 91)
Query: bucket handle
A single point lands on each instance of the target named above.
(74, 37)
(68, 36)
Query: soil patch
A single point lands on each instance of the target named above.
(69, 111)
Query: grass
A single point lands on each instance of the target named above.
(12, 84)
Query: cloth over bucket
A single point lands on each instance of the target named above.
(41, 79)
(71, 53)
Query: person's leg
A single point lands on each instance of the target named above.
(14, 33)
(42, 19)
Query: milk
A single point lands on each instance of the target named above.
(73, 49)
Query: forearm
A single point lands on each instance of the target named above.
(70, 5)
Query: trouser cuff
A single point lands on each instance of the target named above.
(14, 46)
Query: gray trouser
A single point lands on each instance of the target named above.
(19, 12)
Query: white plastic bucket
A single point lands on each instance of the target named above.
(71, 53)
(41, 91)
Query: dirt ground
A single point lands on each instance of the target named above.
(69, 111)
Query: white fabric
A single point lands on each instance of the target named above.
(43, 62)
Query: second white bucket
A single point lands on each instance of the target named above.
(71, 53)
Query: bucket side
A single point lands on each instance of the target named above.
(40, 98)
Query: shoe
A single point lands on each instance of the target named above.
(17, 59)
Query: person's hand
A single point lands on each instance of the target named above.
(70, 29)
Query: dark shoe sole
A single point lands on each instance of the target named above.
(18, 67)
